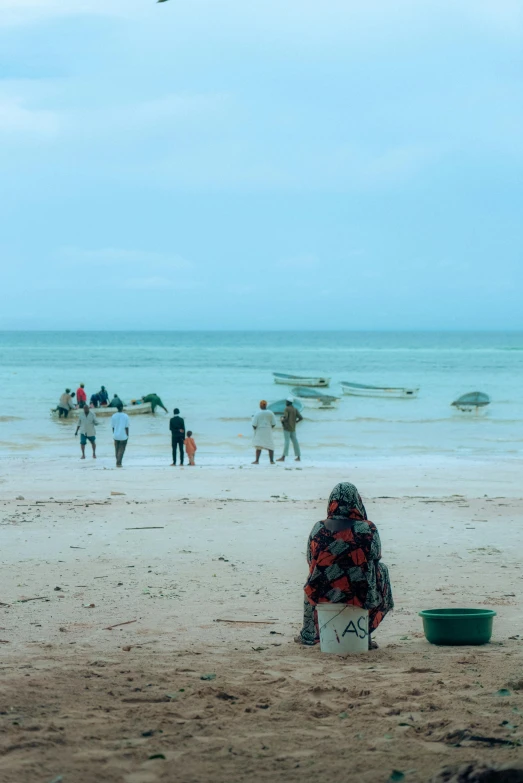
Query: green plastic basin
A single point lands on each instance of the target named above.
(458, 626)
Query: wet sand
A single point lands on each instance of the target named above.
(225, 544)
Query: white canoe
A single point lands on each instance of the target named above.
(300, 380)
(132, 410)
(364, 390)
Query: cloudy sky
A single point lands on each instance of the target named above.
(274, 164)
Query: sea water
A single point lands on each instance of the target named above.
(218, 378)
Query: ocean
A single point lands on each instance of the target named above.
(218, 378)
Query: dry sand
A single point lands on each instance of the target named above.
(92, 704)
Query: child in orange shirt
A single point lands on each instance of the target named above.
(190, 447)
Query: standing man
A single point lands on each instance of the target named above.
(103, 396)
(177, 427)
(291, 416)
(87, 422)
(263, 424)
(81, 396)
(120, 425)
(65, 404)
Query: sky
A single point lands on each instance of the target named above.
(222, 164)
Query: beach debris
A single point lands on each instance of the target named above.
(157, 755)
(276, 633)
(117, 625)
(37, 598)
(76, 547)
(247, 622)
(20, 497)
(503, 692)
(150, 527)
(226, 696)
(127, 648)
(208, 677)
(57, 589)
(395, 776)
(88, 606)
(2, 604)
(4, 641)
(117, 493)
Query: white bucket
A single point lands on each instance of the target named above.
(343, 628)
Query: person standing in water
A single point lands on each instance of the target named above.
(87, 422)
(65, 404)
(263, 424)
(103, 396)
(120, 425)
(81, 396)
(291, 416)
(177, 427)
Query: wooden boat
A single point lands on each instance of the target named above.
(471, 402)
(133, 410)
(315, 399)
(365, 390)
(279, 406)
(300, 380)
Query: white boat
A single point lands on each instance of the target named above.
(315, 399)
(364, 390)
(132, 410)
(300, 380)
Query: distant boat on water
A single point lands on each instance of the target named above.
(301, 380)
(279, 406)
(316, 399)
(365, 390)
(472, 402)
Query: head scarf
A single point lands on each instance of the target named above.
(263, 404)
(345, 503)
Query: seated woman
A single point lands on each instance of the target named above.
(344, 554)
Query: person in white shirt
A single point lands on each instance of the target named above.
(120, 425)
(87, 422)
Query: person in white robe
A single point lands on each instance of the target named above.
(263, 424)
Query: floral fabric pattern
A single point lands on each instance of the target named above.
(344, 566)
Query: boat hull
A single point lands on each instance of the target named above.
(298, 380)
(132, 410)
(392, 393)
(279, 406)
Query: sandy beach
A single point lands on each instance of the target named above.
(171, 557)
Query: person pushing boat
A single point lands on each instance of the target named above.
(155, 401)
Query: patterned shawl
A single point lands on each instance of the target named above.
(345, 503)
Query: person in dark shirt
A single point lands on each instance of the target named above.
(103, 396)
(95, 400)
(115, 402)
(177, 427)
